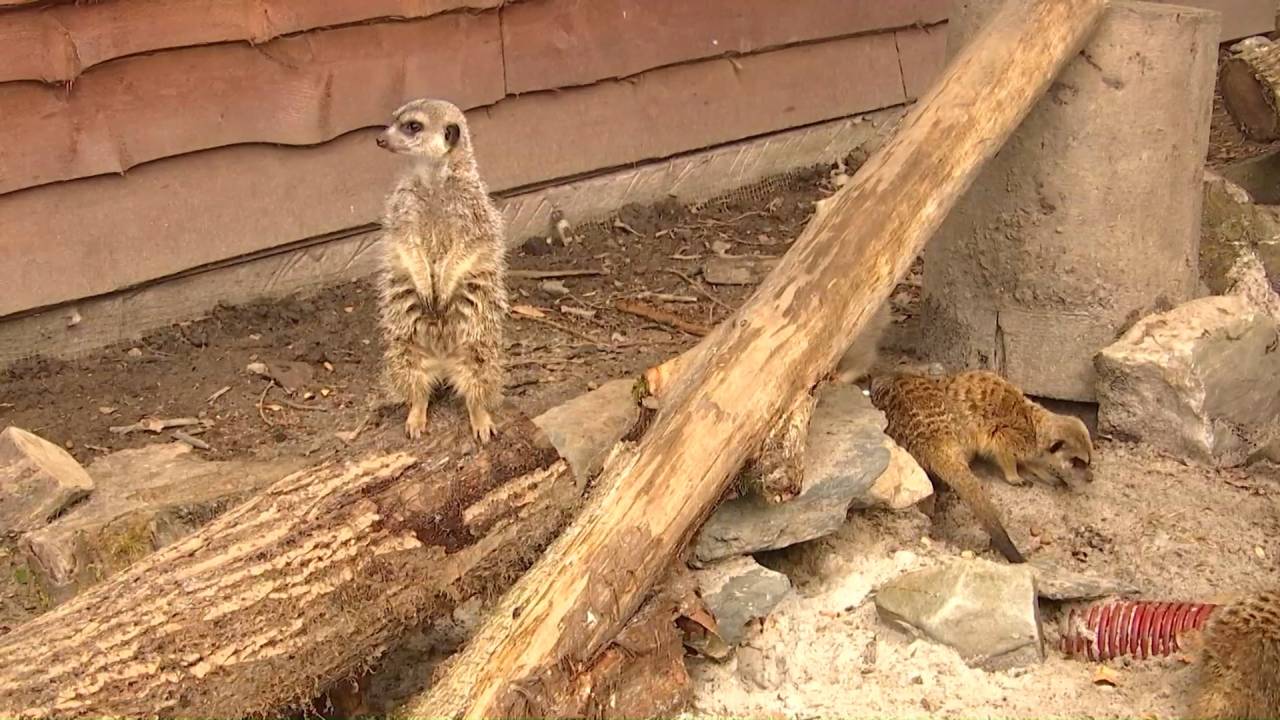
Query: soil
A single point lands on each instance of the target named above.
(1176, 532)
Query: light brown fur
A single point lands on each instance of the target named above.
(946, 421)
(443, 287)
(1240, 661)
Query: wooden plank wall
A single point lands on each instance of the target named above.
(142, 138)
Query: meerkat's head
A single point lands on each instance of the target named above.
(1065, 447)
(433, 132)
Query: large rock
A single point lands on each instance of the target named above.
(738, 591)
(38, 481)
(145, 499)
(1200, 382)
(986, 611)
(1235, 233)
(849, 462)
(584, 429)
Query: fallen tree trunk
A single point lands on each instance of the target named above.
(1250, 85)
(309, 581)
(747, 372)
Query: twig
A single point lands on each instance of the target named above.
(154, 425)
(667, 297)
(194, 442)
(565, 329)
(550, 274)
(262, 413)
(213, 398)
(299, 406)
(743, 216)
(658, 315)
(698, 286)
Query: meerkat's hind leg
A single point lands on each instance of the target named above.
(415, 381)
(480, 385)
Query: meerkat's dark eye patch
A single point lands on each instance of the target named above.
(451, 134)
(413, 127)
(1056, 446)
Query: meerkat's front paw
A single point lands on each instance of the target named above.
(416, 424)
(483, 430)
(482, 427)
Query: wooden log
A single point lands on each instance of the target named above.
(297, 588)
(1250, 85)
(647, 504)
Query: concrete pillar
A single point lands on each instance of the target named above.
(1089, 217)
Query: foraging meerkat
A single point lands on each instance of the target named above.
(1240, 661)
(945, 421)
(443, 287)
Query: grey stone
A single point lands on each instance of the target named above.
(1234, 230)
(737, 270)
(1060, 584)
(986, 611)
(845, 455)
(739, 590)
(584, 429)
(145, 499)
(1200, 382)
(38, 480)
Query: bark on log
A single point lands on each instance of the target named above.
(647, 504)
(284, 595)
(1250, 85)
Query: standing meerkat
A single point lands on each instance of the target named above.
(443, 287)
(946, 421)
(1240, 661)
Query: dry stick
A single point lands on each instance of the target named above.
(745, 374)
(659, 315)
(566, 329)
(262, 413)
(549, 274)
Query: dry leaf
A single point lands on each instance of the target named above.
(527, 311)
(1106, 675)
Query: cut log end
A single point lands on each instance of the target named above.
(1249, 93)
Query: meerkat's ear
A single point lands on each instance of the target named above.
(452, 133)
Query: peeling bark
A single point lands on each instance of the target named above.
(301, 586)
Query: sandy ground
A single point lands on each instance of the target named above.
(1176, 532)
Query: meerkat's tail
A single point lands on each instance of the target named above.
(860, 357)
(952, 469)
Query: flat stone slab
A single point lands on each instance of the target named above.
(849, 462)
(738, 591)
(986, 611)
(584, 429)
(38, 481)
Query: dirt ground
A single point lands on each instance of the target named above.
(1176, 532)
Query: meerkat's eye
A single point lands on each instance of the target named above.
(451, 134)
(1056, 446)
(413, 127)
